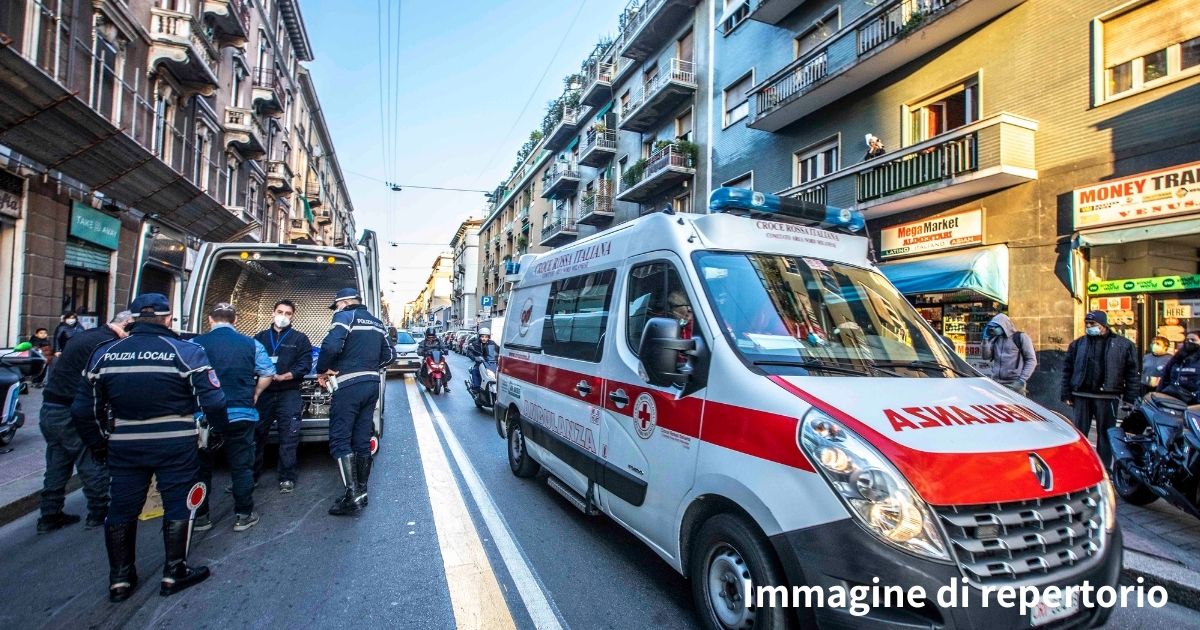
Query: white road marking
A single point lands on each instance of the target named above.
(533, 593)
(474, 591)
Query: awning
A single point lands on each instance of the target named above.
(574, 143)
(1144, 232)
(983, 270)
(604, 110)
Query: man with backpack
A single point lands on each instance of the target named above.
(1011, 353)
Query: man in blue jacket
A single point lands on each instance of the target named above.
(291, 352)
(353, 352)
(134, 410)
(245, 371)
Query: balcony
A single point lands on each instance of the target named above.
(312, 192)
(666, 168)
(659, 95)
(268, 92)
(985, 156)
(279, 176)
(597, 87)
(773, 11)
(523, 217)
(299, 229)
(244, 132)
(600, 146)
(323, 216)
(558, 231)
(566, 127)
(561, 180)
(596, 206)
(230, 20)
(650, 24)
(178, 42)
(869, 48)
(508, 229)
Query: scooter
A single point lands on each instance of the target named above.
(13, 372)
(485, 395)
(435, 372)
(1156, 453)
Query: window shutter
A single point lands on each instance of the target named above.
(1150, 27)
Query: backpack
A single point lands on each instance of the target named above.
(1018, 338)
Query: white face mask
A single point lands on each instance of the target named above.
(71, 321)
(283, 321)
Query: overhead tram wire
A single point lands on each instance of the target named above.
(395, 187)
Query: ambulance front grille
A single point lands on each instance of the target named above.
(1025, 541)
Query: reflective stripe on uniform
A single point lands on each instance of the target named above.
(153, 436)
(160, 420)
(140, 369)
(337, 324)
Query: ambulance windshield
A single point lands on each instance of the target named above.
(821, 317)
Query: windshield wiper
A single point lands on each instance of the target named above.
(866, 370)
(925, 365)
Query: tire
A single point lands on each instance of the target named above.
(6, 437)
(437, 388)
(1131, 490)
(725, 551)
(519, 461)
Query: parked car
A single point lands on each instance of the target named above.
(407, 361)
(460, 340)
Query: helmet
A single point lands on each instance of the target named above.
(430, 332)
(485, 331)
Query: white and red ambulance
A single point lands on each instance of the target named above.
(747, 394)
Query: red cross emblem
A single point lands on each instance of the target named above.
(645, 416)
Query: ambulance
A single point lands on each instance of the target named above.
(749, 396)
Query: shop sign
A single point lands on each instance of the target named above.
(938, 234)
(1162, 193)
(1145, 285)
(10, 204)
(94, 226)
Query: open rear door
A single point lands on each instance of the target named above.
(368, 247)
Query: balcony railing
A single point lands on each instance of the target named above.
(648, 24)
(878, 43)
(268, 91)
(230, 19)
(664, 169)
(178, 39)
(560, 229)
(599, 147)
(598, 83)
(658, 95)
(596, 206)
(985, 156)
(244, 131)
(523, 215)
(561, 179)
(567, 125)
(279, 176)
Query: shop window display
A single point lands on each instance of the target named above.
(959, 318)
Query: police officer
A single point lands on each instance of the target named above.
(353, 352)
(145, 388)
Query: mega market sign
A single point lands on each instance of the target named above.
(1163, 193)
(1144, 285)
(964, 229)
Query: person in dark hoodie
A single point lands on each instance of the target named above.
(1100, 369)
(1011, 353)
(1181, 375)
(1154, 363)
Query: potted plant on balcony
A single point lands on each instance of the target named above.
(690, 151)
(662, 144)
(633, 174)
(914, 22)
(522, 243)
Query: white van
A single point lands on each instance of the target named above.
(747, 394)
(254, 276)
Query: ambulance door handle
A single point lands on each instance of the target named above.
(583, 388)
(619, 398)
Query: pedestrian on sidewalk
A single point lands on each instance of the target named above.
(281, 405)
(67, 328)
(1100, 370)
(245, 371)
(64, 448)
(1011, 353)
(1181, 375)
(42, 345)
(1154, 363)
(148, 385)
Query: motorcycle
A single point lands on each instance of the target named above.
(1156, 453)
(434, 374)
(13, 372)
(484, 395)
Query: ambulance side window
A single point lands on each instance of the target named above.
(577, 316)
(655, 290)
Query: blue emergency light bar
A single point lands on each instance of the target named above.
(751, 203)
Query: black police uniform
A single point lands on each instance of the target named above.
(356, 348)
(145, 388)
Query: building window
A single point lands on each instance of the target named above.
(815, 35)
(737, 100)
(162, 128)
(683, 127)
(745, 181)
(682, 203)
(1150, 44)
(231, 172)
(946, 111)
(104, 79)
(200, 159)
(252, 206)
(685, 49)
(817, 162)
(235, 88)
(736, 12)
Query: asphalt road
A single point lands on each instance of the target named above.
(451, 538)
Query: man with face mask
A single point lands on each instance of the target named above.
(1154, 363)
(281, 404)
(1100, 370)
(69, 327)
(1011, 353)
(1181, 375)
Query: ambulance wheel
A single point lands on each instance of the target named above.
(519, 461)
(726, 552)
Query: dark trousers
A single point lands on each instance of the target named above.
(1104, 412)
(173, 463)
(351, 418)
(283, 409)
(239, 452)
(64, 454)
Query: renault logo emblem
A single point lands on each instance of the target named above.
(1041, 471)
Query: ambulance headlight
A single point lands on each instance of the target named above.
(871, 487)
(1108, 504)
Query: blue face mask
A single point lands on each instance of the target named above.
(1092, 331)
(991, 331)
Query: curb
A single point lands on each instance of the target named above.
(1182, 584)
(21, 506)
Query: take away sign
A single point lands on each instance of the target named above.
(1151, 195)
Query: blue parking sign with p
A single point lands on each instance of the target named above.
(486, 301)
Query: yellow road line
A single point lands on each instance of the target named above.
(474, 591)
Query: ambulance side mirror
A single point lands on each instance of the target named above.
(660, 351)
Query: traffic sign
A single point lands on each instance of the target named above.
(486, 301)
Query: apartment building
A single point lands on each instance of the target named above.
(464, 284)
(433, 306)
(131, 131)
(1050, 145)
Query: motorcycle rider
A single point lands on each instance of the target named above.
(429, 344)
(482, 350)
(1181, 376)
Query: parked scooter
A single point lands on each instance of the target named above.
(435, 372)
(13, 372)
(485, 395)
(1156, 453)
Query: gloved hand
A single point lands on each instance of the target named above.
(216, 440)
(100, 452)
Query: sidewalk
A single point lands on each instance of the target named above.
(22, 467)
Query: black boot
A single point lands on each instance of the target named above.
(346, 504)
(177, 575)
(362, 466)
(121, 541)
